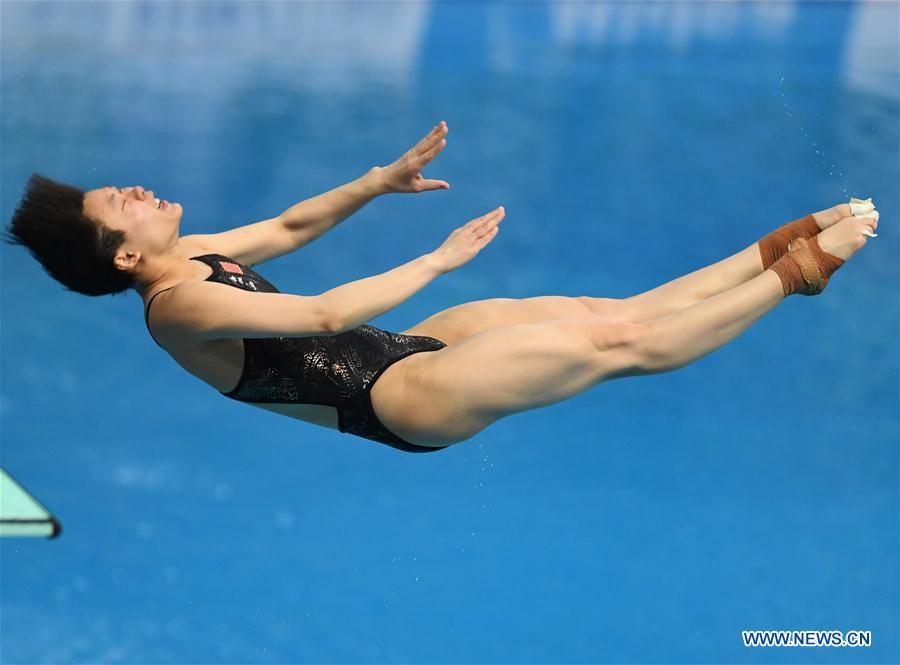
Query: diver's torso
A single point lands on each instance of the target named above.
(219, 363)
(304, 378)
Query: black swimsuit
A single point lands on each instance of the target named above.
(333, 370)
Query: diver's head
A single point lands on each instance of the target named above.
(93, 242)
(150, 229)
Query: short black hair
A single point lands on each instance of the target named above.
(73, 248)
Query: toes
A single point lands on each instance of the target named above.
(865, 210)
(825, 218)
(871, 219)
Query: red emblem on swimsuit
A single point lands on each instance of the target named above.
(231, 267)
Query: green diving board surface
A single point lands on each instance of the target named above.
(21, 514)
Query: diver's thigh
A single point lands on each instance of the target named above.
(460, 322)
(451, 394)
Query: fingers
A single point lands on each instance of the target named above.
(436, 135)
(435, 184)
(427, 156)
(489, 231)
(423, 152)
(486, 222)
(427, 141)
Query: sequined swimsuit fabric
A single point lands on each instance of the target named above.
(334, 370)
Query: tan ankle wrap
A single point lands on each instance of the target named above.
(806, 268)
(775, 245)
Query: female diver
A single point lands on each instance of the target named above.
(440, 382)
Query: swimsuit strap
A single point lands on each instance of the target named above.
(147, 314)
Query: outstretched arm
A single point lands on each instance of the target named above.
(255, 243)
(351, 305)
(311, 218)
(304, 222)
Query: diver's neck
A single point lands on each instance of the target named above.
(168, 271)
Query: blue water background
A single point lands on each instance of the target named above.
(647, 520)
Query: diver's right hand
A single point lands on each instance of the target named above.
(466, 241)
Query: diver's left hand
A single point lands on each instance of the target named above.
(404, 174)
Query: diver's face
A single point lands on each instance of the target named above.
(133, 210)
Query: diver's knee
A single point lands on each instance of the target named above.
(654, 350)
(624, 347)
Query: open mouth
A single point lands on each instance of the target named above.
(161, 204)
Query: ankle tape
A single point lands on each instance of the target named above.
(828, 263)
(806, 268)
(773, 246)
